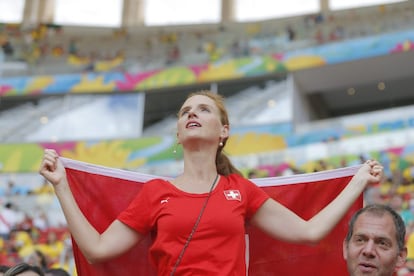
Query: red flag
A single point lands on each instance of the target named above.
(102, 193)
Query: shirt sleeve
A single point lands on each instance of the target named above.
(255, 195)
(138, 214)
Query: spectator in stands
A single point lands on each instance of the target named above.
(13, 189)
(322, 165)
(10, 189)
(375, 243)
(22, 243)
(173, 55)
(41, 219)
(7, 47)
(252, 174)
(52, 247)
(73, 47)
(8, 220)
(7, 256)
(26, 224)
(397, 203)
(290, 32)
(66, 260)
(37, 258)
(202, 130)
(45, 188)
(372, 195)
(24, 269)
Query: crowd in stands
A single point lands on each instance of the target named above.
(32, 239)
(53, 46)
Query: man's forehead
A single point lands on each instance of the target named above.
(375, 224)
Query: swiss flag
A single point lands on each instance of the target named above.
(102, 193)
(232, 195)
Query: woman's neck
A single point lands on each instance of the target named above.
(199, 172)
(200, 161)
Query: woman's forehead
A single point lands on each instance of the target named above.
(199, 99)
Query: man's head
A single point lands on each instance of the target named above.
(375, 243)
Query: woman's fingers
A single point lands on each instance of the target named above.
(50, 158)
(377, 170)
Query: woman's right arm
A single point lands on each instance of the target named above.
(96, 247)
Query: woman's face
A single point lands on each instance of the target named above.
(199, 118)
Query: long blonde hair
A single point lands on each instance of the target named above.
(223, 163)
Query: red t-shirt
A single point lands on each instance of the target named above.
(218, 245)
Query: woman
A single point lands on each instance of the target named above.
(206, 206)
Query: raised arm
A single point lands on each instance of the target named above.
(96, 247)
(281, 223)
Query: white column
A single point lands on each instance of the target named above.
(38, 11)
(227, 11)
(133, 13)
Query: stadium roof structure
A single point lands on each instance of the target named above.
(331, 91)
(359, 86)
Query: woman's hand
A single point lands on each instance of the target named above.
(52, 168)
(371, 171)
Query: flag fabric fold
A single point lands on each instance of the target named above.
(102, 193)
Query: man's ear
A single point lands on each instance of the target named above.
(402, 257)
(344, 249)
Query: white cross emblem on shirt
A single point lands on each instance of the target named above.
(232, 195)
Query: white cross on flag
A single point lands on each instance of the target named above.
(232, 195)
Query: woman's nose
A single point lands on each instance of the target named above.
(191, 114)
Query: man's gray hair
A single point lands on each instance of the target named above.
(380, 210)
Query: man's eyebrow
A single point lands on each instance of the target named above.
(376, 238)
(384, 238)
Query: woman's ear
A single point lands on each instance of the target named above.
(225, 131)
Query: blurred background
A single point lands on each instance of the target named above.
(310, 85)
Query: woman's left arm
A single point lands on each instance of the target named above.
(281, 223)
